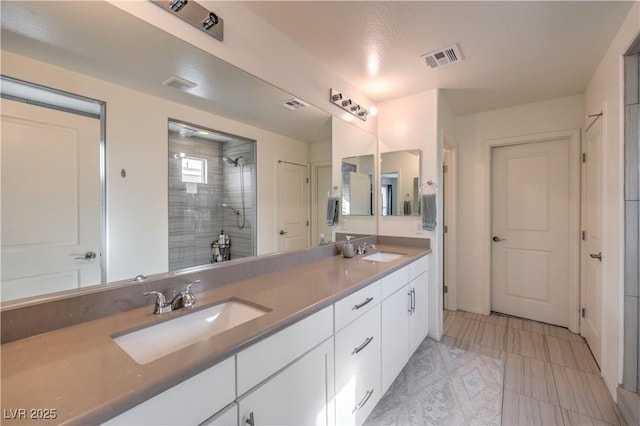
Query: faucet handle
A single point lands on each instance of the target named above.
(191, 284)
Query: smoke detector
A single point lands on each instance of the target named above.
(442, 57)
(295, 103)
(179, 83)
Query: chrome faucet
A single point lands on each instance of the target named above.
(184, 299)
(362, 249)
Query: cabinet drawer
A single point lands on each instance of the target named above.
(357, 398)
(204, 394)
(356, 304)
(418, 267)
(266, 357)
(357, 344)
(394, 281)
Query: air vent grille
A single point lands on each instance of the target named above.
(179, 83)
(442, 57)
(295, 103)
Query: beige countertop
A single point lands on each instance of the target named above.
(82, 374)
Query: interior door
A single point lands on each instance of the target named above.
(293, 201)
(50, 200)
(530, 230)
(591, 248)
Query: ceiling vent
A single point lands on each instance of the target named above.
(295, 103)
(179, 83)
(443, 57)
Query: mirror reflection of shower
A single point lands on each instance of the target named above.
(238, 162)
(212, 185)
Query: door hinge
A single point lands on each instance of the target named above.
(584, 157)
(307, 180)
(583, 235)
(446, 289)
(446, 229)
(445, 169)
(307, 223)
(583, 312)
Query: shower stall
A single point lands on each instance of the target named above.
(211, 191)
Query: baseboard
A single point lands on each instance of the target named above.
(629, 405)
(478, 311)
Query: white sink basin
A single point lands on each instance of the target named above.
(150, 343)
(382, 256)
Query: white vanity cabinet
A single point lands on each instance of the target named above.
(404, 317)
(297, 395)
(189, 403)
(357, 355)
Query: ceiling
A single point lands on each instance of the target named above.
(141, 56)
(515, 52)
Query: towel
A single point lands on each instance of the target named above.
(429, 212)
(407, 208)
(332, 211)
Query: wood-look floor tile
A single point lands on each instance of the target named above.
(571, 418)
(495, 319)
(522, 410)
(525, 324)
(487, 351)
(560, 332)
(526, 343)
(584, 393)
(492, 336)
(459, 327)
(572, 354)
(530, 377)
(471, 316)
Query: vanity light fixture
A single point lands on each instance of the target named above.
(348, 105)
(195, 14)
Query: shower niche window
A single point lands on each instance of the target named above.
(211, 193)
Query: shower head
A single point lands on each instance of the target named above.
(233, 162)
(236, 212)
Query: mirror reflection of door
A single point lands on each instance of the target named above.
(388, 194)
(292, 198)
(51, 200)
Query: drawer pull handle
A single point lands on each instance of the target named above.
(413, 300)
(364, 401)
(251, 421)
(363, 345)
(367, 300)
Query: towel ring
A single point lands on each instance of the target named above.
(431, 183)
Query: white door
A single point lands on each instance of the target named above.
(293, 201)
(50, 200)
(591, 242)
(323, 185)
(530, 230)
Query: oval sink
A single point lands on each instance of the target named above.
(150, 343)
(382, 256)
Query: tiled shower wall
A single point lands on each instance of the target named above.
(196, 219)
(631, 367)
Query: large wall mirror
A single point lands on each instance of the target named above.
(132, 67)
(357, 185)
(400, 183)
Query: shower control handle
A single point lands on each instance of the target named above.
(283, 232)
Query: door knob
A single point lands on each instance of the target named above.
(88, 256)
(283, 232)
(596, 256)
(498, 239)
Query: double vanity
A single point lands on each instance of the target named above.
(316, 342)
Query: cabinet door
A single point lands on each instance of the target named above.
(226, 417)
(418, 317)
(394, 335)
(297, 395)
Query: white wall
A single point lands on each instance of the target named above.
(605, 92)
(411, 122)
(260, 49)
(473, 212)
(350, 141)
(137, 219)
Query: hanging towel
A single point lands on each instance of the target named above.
(429, 212)
(407, 208)
(332, 211)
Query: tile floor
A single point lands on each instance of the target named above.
(550, 376)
